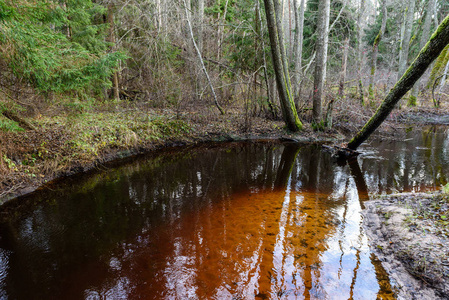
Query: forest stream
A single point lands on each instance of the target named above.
(263, 220)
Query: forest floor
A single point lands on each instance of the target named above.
(60, 144)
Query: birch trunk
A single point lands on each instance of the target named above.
(405, 42)
(429, 53)
(376, 50)
(321, 59)
(424, 38)
(273, 13)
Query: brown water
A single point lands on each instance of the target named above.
(229, 221)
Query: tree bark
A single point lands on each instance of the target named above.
(360, 49)
(405, 42)
(199, 21)
(321, 59)
(343, 68)
(424, 38)
(272, 12)
(299, 39)
(429, 53)
(270, 101)
(376, 49)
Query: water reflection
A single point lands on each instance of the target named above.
(254, 220)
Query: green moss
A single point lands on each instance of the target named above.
(411, 101)
(91, 133)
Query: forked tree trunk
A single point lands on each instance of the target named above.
(272, 12)
(429, 53)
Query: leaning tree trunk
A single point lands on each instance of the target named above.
(430, 52)
(376, 49)
(272, 12)
(422, 42)
(321, 59)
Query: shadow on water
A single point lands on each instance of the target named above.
(241, 220)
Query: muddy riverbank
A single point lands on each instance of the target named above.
(410, 234)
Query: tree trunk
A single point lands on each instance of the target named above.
(430, 52)
(405, 42)
(221, 20)
(271, 106)
(272, 12)
(199, 24)
(424, 38)
(360, 49)
(299, 28)
(443, 81)
(200, 58)
(321, 59)
(376, 49)
(435, 14)
(111, 39)
(343, 68)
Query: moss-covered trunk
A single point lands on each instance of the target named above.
(431, 50)
(281, 66)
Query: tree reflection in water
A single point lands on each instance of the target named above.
(244, 220)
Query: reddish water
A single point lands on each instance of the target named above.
(236, 221)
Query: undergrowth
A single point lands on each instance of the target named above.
(91, 133)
